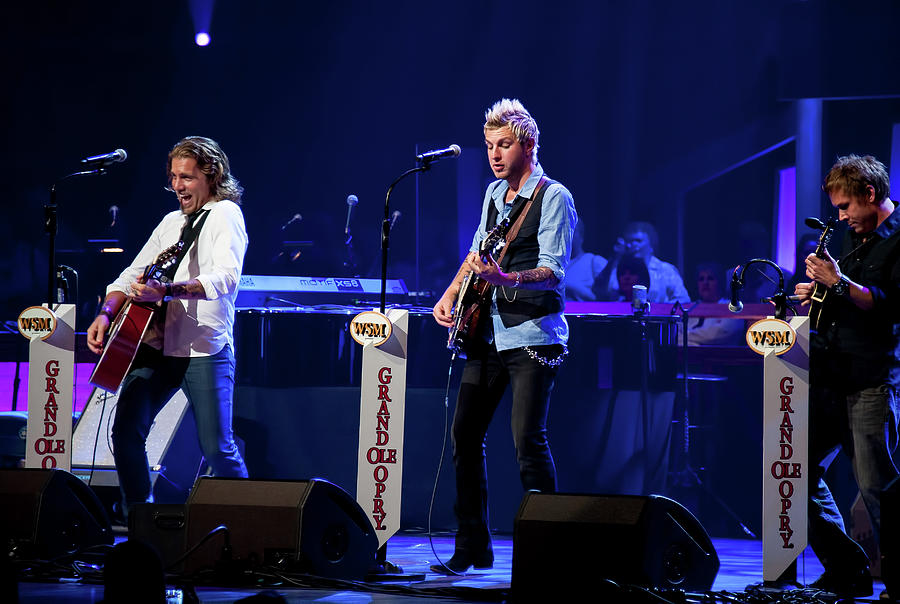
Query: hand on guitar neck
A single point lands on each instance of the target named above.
(487, 268)
(823, 271)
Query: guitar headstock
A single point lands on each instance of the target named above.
(164, 261)
(825, 237)
(495, 239)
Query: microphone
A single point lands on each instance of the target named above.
(352, 200)
(100, 161)
(430, 156)
(814, 223)
(735, 305)
(294, 218)
(114, 210)
(395, 217)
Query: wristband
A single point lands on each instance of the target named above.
(168, 292)
(518, 279)
(106, 310)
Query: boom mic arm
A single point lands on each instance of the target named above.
(737, 282)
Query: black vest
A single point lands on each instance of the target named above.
(517, 306)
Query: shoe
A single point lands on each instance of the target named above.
(462, 561)
(885, 596)
(845, 585)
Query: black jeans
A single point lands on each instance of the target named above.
(486, 375)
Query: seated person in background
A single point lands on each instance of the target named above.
(631, 271)
(583, 269)
(713, 330)
(639, 240)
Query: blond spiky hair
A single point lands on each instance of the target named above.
(512, 113)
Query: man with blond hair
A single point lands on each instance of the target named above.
(523, 341)
(190, 343)
(854, 365)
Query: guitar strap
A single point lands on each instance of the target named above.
(188, 235)
(514, 229)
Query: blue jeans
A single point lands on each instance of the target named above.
(864, 425)
(484, 380)
(208, 384)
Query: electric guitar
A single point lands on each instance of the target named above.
(819, 291)
(129, 327)
(474, 295)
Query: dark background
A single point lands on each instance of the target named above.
(639, 104)
(314, 101)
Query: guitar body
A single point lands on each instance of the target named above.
(474, 296)
(128, 329)
(124, 338)
(815, 305)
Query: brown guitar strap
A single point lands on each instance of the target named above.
(514, 229)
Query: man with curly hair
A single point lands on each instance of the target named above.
(189, 344)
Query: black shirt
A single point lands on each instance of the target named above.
(855, 348)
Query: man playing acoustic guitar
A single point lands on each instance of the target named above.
(523, 332)
(854, 364)
(189, 342)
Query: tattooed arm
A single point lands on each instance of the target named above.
(153, 290)
(541, 277)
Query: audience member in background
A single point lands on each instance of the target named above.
(640, 240)
(583, 269)
(713, 330)
(631, 271)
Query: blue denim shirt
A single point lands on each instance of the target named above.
(555, 233)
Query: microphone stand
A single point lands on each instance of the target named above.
(382, 565)
(686, 477)
(51, 226)
(779, 298)
(349, 258)
(386, 227)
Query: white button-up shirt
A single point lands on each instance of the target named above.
(215, 259)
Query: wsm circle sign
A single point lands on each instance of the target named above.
(771, 335)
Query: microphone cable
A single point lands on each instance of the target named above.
(440, 466)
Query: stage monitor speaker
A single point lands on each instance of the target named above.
(173, 451)
(49, 513)
(314, 525)
(568, 542)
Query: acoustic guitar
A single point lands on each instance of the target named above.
(129, 327)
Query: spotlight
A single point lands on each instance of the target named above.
(202, 39)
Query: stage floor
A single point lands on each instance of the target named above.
(740, 566)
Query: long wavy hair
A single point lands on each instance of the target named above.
(213, 162)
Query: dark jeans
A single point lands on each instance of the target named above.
(208, 384)
(864, 425)
(484, 380)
